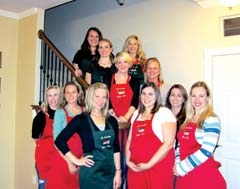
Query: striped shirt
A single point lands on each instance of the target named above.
(208, 138)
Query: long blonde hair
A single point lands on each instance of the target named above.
(140, 56)
(190, 111)
(89, 98)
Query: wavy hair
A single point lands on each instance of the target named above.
(140, 56)
(85, 45)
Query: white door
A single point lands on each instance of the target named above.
(223, 76)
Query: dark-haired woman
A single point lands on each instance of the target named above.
(88, 51)
(149, 147)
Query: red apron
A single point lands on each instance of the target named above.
(143, 146)
(206, 175)
(61, 177)
(121, 97)
(45, 150)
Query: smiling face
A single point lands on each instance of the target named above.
(152, 70)
(148, 97)
(53, 97)
(132, 46)
(71, 94)
(176, 98)
(122, 65)
(104, 49)
(93, 38)
(199, 99)
(99, 99)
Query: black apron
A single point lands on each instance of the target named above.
(101, 174)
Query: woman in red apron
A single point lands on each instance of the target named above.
(124, 94)
(198, 139)
(100, 163)
(64, 174)
(149, 147)
(42, 133)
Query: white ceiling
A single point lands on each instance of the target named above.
(18, 6)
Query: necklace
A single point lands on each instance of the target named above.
(105, 64)
(99, 120)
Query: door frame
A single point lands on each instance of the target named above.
(209, 60)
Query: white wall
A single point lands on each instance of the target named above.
(175, 31)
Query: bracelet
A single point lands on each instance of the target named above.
(118, 169)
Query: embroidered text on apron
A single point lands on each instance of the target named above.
(206, 175)
(101, 174)
(143, 146)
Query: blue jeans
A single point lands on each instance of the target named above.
(41, 182)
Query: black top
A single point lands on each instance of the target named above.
(80, 125)
(136, 71)
(101, 74)
(83, 58)
(39, 122)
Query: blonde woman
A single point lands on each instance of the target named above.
(153, 73)
(124, 94)
(124, 90)
(102, 69)
(100, 164)
(42, 133)
(133, 46)
(198, 138)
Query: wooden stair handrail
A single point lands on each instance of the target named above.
(70, 67)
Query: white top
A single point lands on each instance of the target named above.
(163, 115)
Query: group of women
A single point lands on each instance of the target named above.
(171, 140)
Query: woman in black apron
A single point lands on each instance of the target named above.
(100, 163)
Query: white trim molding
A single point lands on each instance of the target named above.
(21, 15)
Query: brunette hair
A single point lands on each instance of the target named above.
(181, 116)
(79, 90)
(85, 45)
(158, 102)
